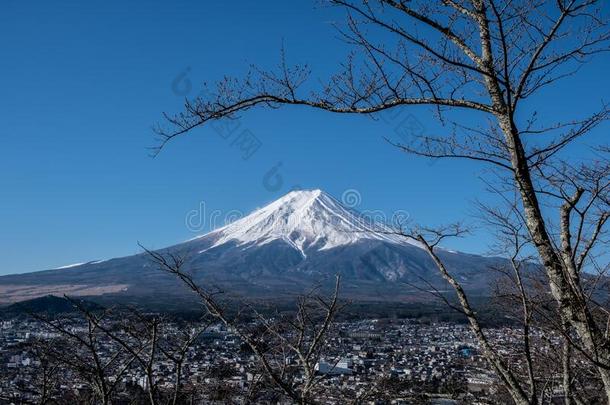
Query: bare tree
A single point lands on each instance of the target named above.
(288, 348)
(43, 388)
(522, 288)
(81, 350)
(138, 337)
(519, 273)
(48, 372)
(149, 339)
(175, 347)
(488, 56)
(430, 238)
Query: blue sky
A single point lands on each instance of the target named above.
(83, 82)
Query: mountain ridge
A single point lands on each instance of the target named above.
(282, 248)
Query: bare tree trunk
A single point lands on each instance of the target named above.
(567, 372)
(177, 382)
(571, 309)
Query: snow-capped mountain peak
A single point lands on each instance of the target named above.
(302, 238)
(305, 219)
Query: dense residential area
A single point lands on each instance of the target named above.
(394, 361)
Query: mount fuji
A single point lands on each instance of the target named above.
(308, 221)
(302, 239)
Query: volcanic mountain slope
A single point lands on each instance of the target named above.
(303, 238)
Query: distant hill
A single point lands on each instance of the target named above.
(49, 304)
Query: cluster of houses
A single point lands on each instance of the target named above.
(437, 359)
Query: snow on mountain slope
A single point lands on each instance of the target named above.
(306, 220)
(283, 248)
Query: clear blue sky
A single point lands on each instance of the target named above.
(83, 82)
